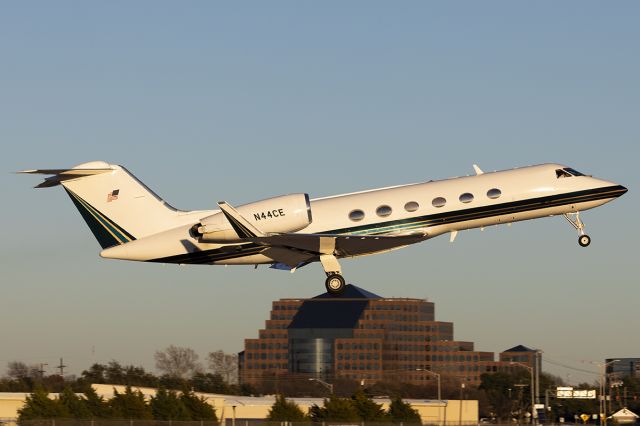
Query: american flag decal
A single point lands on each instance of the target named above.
(113, 195)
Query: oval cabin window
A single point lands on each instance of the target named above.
(494, 193)
(383, 211)
(411, 206)
(466, 198)
(439, 202)
(356, 215)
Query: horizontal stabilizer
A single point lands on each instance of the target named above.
(60, 175)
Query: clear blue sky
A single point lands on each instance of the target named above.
(238, 101)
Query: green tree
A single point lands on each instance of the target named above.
(116, 374)
(400, 411)
(166, 405)
(335, 409)
(283, 410)
(198, 407)
(97, 406)
(631, 388)
(499, 389)
(95, 374)
(130, 405)
(213, 383)
(368, 410)
(74, 405)
(38, 405)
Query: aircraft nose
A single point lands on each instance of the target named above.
(614, 189)
(623, 190)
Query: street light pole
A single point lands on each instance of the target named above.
(439, 391)
(323, 383)
(532, 387)
(437, 378)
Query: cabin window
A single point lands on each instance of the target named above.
(356, 215)
(562, 173)
(466, 197)
(494, 193)
(411, 206)
(383, 211)
(439, 202)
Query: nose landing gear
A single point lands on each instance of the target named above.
(584, 240)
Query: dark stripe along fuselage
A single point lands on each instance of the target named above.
(418, 222)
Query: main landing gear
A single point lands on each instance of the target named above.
(334, 283)
(584, 240)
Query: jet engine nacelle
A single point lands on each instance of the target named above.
(286, 213)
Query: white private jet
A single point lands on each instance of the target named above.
(131, 222)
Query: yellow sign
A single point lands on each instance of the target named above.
(585, 418)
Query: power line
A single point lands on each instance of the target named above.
(545, 359)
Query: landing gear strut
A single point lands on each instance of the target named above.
(584, 240)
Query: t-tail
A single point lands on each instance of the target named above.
(117, 206)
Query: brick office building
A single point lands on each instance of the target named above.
(361, 336)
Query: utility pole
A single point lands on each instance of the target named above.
(520, 387)
(603, 389)
(538, 364)
(61, 367)
(460, 403)
(41, 371)
(532, 387)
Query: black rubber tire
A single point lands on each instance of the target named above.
(335, 284)
(584, 240)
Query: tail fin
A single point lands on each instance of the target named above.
(117, 207)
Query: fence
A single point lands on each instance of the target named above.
(227, 422)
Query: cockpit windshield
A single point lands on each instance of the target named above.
(574, 171)
(567, 172)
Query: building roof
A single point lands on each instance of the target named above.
(625, 413)
(333, 311)
(350, 292)
(326, 313)
(520, 348)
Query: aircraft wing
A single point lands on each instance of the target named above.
(295, 249)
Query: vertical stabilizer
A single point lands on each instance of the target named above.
(117, 207)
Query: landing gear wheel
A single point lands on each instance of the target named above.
(584, 240)
(335, 284)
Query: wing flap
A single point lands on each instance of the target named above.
(344, 245)
(287, 256)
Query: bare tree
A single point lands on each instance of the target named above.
(177, 361)
(225, 365)
(20, 370)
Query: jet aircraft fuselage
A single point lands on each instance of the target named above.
(290, 231)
